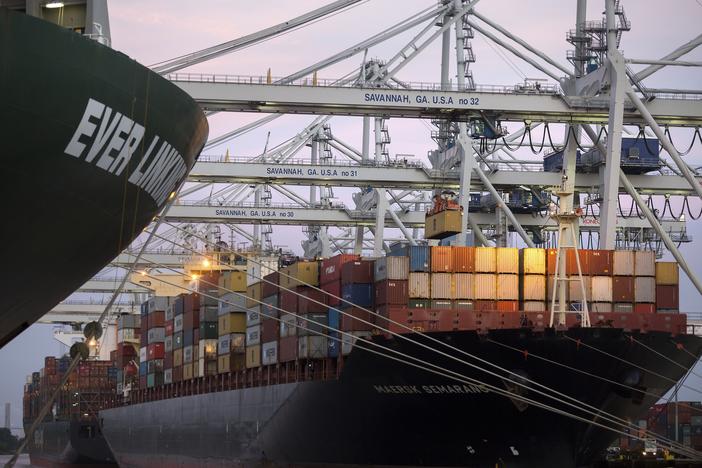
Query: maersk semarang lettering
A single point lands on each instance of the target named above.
(109, 139)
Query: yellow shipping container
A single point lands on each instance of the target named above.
(178, 357)
(253, 293)
(234, 322)
(533, 288)
(300, 274)
(442, 224)
(485, 259)
(507, 260)
(667, 273)
(234, 280)
(223, 364)
(507, 287)
(533, 261)
(253, 356)
(187, 371)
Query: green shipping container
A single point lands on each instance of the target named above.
(208, 331)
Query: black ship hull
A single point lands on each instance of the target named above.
(69, 443)
(384, 413)
(92, 145)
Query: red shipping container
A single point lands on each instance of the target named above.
(309, 306)
(348, 323)
(331, 267)
(208, 282)
(644, 308)
(156, 319)
(667, 297)
(168, 360)
(392, 292)
(623, 288)
(155, 351)
(550, 262)
(168, 324)
(507, 306)
(359, 271)
(191, 302)
(334, 293)
(287, 349)
(463, 259)
(270, 286)
(191, 319)
(600, 262)
(49, 362)
(177, 373)
(485, 306)
(270, 330)
(288, 300)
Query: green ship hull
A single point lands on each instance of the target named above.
(92, 146)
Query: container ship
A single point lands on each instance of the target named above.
(243, 373)
(93, 145)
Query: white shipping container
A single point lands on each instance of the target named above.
(158, 303)
(419, 285)
(441, 286)
(507, 260)
(348, 340)
(644, 263)
(623, 263)
(156, 335)
(253, 335)
(600, 307)
(129, 321)
(645, 289)
(126, 334)
(534, 287)
(207, 349)
(253, 315)
(232, 302)
(485, 286)
(170, 311)
(187, 354)
(178, 323)
(168, 376)
(393, 268)
(463, 285)
(143, 354)
(507, 287)
(224, 344)
(312, 347)
(168, 344)
(601, 289)
(486, 259)
(575, 290)
(258, 267)
(288, 325)
(534, 306)
(269, 353)
(623, 308)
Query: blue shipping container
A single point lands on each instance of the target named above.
(143, 368)
(187, 338)
(358, 294)
(334, 318)
(419, 256)
(333, 344)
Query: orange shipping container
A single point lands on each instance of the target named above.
(533, 288)
(463, 285)
(441, 259)
(485, 259)
(441, 287)
(507, 287)
(507, 260)
(463, 259)
(507, 306)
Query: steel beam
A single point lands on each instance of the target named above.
(679, 52)
(502, 102)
